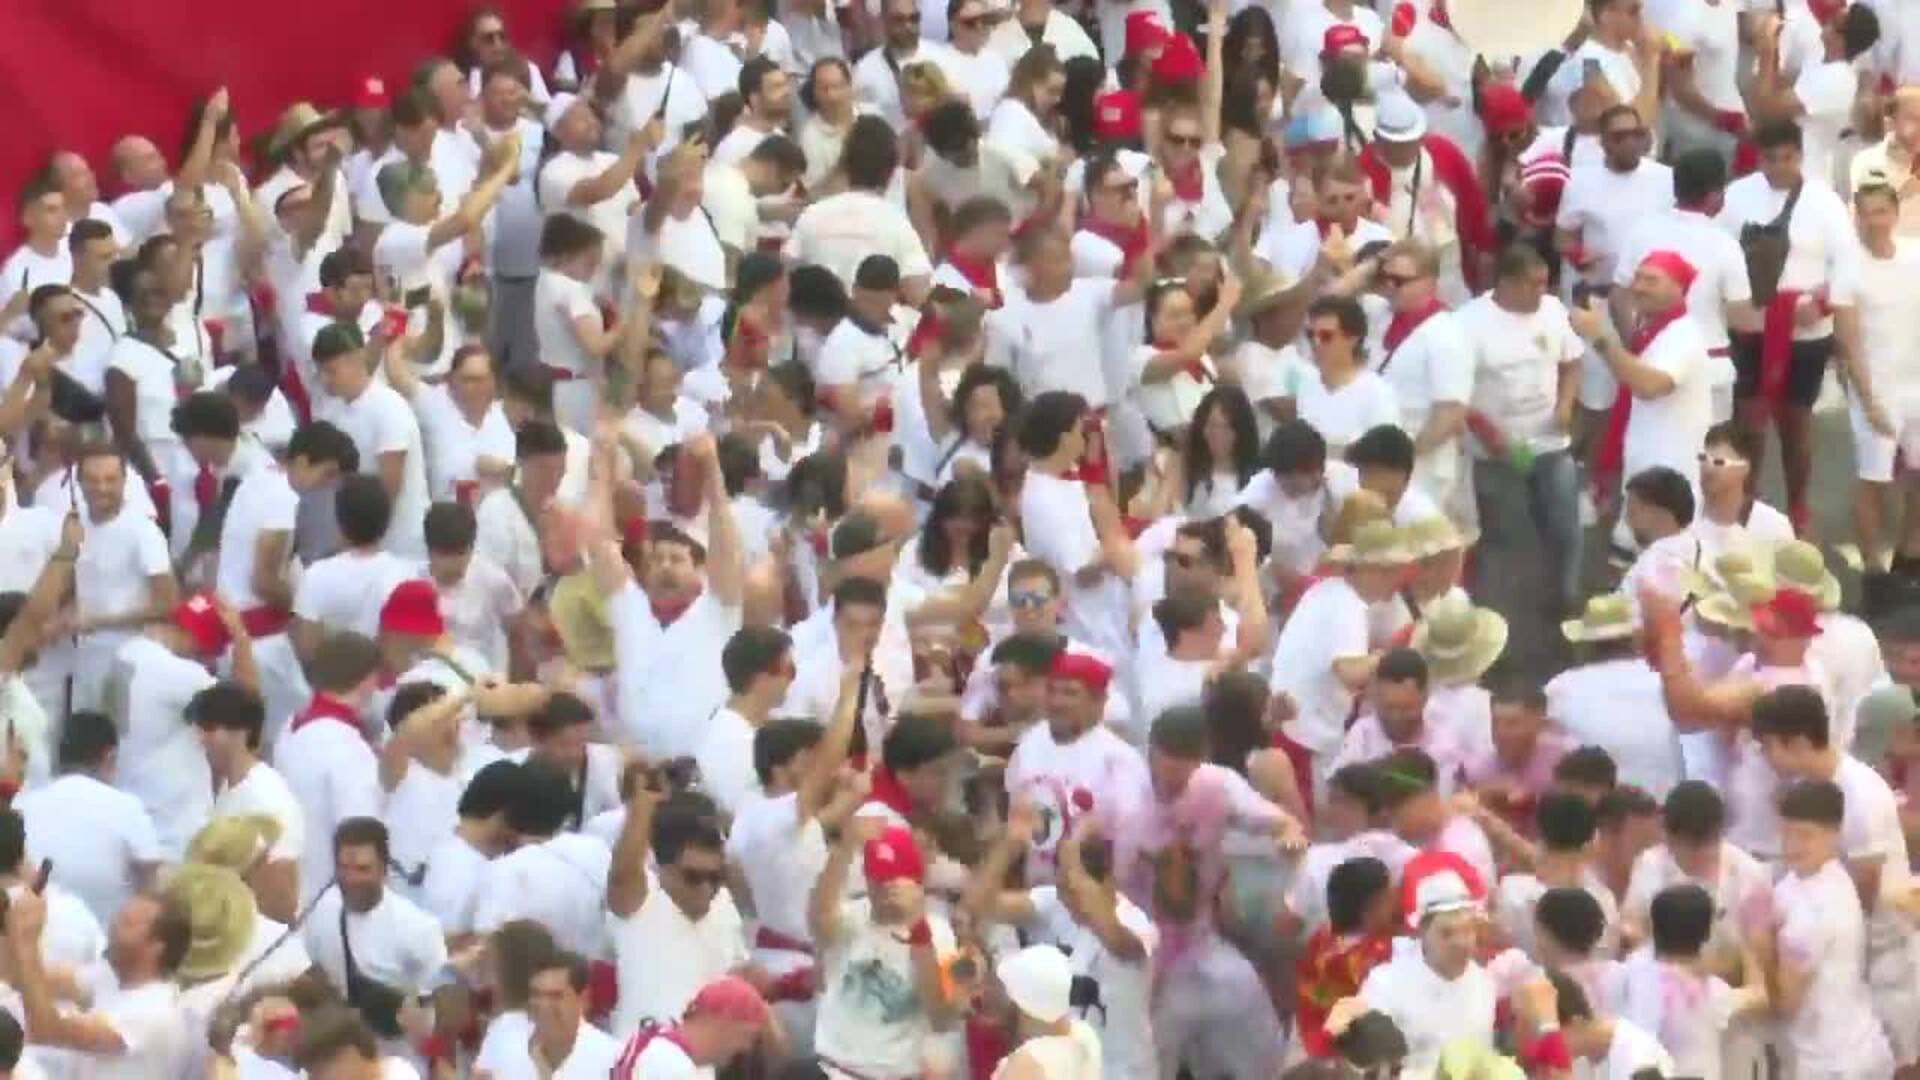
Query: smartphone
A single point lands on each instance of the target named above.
(393, 325)
(45, 873)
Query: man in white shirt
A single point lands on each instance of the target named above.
(103, 317)
(478, 599)
(229, 720)
(1072, 764)
(1820, 96)
(508, 518)
(1425, 357)
(345, 591)
(377, 949)
(1432, 988)
(1526, 374)
(722, 1022)
(123, 578)
(674, 928)
(43, 258)
(102, 843)
(1038, 22)
(324, 756)
(554, 877)
(1808, 318)
(1889, 337)
(562, 1046)
(840, 230)
(759, 665)
(382, 426)
(742, 196)
(133, 1030)
(589, 183)
(876, 78)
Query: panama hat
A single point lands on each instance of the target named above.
(1799, 565)
(1731, 606)
(221, 912)
(1606, 617)
(1268, 289)
(1459, 641)
(235, 841)
(1503, 28)
(299, 120)
(1433, 535)
(1374, 543)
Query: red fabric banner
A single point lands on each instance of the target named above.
(79, 74)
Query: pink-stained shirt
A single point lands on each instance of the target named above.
(1367, 740)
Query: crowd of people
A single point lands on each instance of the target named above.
(1150, 540)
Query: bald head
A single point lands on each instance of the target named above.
(76, 180)
(892, 511)
(139, 164)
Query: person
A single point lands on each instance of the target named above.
(1690, 1025)
(562, 1042)
(1039, 981)
(324, 755)
(379, 950)
(1398, 714)
(1609, 669)
(1613, 1043)
(463, 426)
(133, 1028)
(839, 231)
(1337, 957)
(122, 576)
(104, 847)
(1817, 96)
(1430, 193)
(1731, 516)
(1346, 398)
(230, 720)
(1566, 825)
(1695, 851)
(722, 1022)
(1884, 262)
(759, 668)
(384, 429)
(1814, 954)
(337, 1044)
(553, 876)
(1072, 763)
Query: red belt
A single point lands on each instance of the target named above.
(265, 621)
(768, 938)
(561, 374)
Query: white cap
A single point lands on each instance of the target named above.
(557, 108)
(1039, 981)
(1398, 118)
(1438, 893)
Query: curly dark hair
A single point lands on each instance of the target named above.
(1246, 437)
(963, 496)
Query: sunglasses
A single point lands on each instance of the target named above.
(1191, 142)
(1720, 462)
(1028, 598)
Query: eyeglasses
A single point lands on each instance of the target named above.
(1028, 598)
(1720, 462)
(1191, 142)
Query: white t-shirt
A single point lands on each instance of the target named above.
(331, 770)
(840, 230)
(1124, 1019)
(1059, 531)
(1344, 414)
(102, 323)
(1822, 251)
(690, 243)
(592, 1058)
(1602, 206)
(1014, 129)
(264, 503)
(346, 591)
(402, 259)
(565, 171)
(1669, 430)
(560, 883)
(669, 679)
(479, 608)
(1719, 266)
(162, 763)
(379, 421)
(455, 445)
(396, 943)
(726, 760)
(147, 1019)
(1011, 40)
(1429, 1010)
(96, 836)
(112, 576)
(1687, 1012)
(1044, 343)
(870, 1017)
(264, 791)
(854, 356)
(1053, 775)
(1328, 624)
(1518, 363)
(781, 857)
(664, 958)
(1617, 705)
(1890, 327)
(1825, 92)
(450, 888)
(1822, 930)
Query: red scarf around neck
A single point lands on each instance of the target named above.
(982, 274)
(1404, 323)
(1189, 182)
(888, 792)
(1130, 239)
(1610, 457)
(328, 707)
(320, 304)
(667, 613)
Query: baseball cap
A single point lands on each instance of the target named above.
(200, 619)
(413, 607)
(893, 856)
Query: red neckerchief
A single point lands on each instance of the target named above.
(320, 304)
(206, 488)
(1194, 366)
(1613, 442)
(886, 791)
(327, 707)
(669, 613)
(982, 274)
(1404, 323)
(1130, 239)
(1189, 182)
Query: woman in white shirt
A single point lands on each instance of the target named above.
(965, 427)
(575, 336)
(1172, 371)
(828, 97)
(1216, 458)
(1023, 123)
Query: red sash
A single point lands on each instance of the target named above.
(1610, 457)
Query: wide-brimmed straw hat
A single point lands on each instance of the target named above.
(1268, 289)
(302, 118)
(1434, 535)
(1459, 641)
(1606, 617)
(1730, 607)
(1374, 543)
(1799, 565)
(221, 911)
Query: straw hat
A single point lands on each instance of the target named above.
(1354, 511)
(1459, 641)
(1267, 289)
(1375, 543)
(1731, 606)
(236, 842)
(221, 911)
(1433, 535)
(1607, 617)
(1799, 565)
(301, 119)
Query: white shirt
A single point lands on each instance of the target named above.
(1669, 430)
(162, 763)
(402, 259)
(265, 792)
(1617, 705)
(1014, 129)
(26, 270)
(1124, 1020)
(566, 171)
(669, 679)
(690, 243)
(1328, 624)
(641, 100)
(96, 836)
(870, 1016)
(725, 758)
(264, 503)
(560, 883)
(1059, 531)
(147, 1019)
(117, 559)
(333, 773)
(1518, 362)
(454, 444)
(781, 857)
(876, 79)
(396, 943)
(593, 1056)
(1602, 207)
(103, 322)
(1044, 343)
(1822, 251)
(153, 374)
(1719, 265)
(1344, 414)
(1822, 930)
(1054, 776)
(479, 608)
(840, 230)
(450, 889)
(380, 422)
(853, 356)
(507, 539)
(346, 591)
(1890, 326)
(1826, 92)
(1429, 1010)
(664, 958)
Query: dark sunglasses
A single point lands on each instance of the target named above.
(1027, 598)
(1188, 141)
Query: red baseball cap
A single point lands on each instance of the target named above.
(893, 856)
(197, 616)
(371, 93)
(1340, 37)
(413, 607)
(730, 998)
(1116, 116)
(1503, 108)
(1145, 32)
(1083, 669)
(1179, 62)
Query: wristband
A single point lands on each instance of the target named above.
(921, 933)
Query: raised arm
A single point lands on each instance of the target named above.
(49, 590)
(726, 563)
(197, 166)
(823, 903)
(1186, 355)
(1101, 913)
(816, 785)
(1213, 83)
(502, 166)
(987, 898)
(627, 880)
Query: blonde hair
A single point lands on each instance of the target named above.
(926, 80)
(1423, 257)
